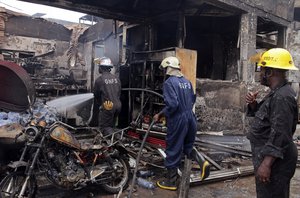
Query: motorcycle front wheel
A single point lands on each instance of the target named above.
(120, 176)
(12, 184)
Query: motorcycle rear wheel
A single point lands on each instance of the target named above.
(121, 178)
(11, 185)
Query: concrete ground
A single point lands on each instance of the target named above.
(243, 187)
(238, 188)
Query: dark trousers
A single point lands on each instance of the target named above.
(180, 138)
(107, 120)
(281, 173)
(279, 187)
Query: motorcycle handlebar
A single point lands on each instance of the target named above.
(62, 123)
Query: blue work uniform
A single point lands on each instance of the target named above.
(179, 98)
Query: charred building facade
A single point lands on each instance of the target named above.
(223, 33)
(54, 54)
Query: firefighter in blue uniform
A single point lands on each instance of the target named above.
(179, 98)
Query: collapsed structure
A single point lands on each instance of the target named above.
(224, 34)
(213, 39)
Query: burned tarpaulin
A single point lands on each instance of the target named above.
(17, 91)
(18, 104)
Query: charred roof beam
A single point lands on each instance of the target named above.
(100, 11)
(135, 11)
(245, 7)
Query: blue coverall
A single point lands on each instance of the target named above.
(179, 98)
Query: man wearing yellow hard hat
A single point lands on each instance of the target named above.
(275, 119)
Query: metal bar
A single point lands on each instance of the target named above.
(222, 175)
(145, 90)
(152, 132)
(205, 145)
(215, 164)
(225, 148)
(61, 123)
(222, 145)
(143, 86)
(185, 179)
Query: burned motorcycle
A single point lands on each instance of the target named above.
(54, 152)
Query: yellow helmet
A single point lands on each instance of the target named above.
(170, 61)
(278, 58)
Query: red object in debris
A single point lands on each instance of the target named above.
(150, 140)
(133, 134)
(156, 141)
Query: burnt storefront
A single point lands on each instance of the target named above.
(223, 33)
(213, 40)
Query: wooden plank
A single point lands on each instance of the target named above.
(188, 61)
(185, 180)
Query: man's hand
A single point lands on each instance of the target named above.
(263, 173)
(264, 170)
(251, 99)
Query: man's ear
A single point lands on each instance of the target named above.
(269, 72)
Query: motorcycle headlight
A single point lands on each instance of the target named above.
(31, 133)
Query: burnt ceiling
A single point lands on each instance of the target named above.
(139, 10)
(265, 26)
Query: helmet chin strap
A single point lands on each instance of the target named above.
(173, 72)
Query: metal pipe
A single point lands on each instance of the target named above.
(215, 164)
(145, 90)
(223, 148)
(64, 124)
(180, 30)
(222, 145)
(138, 159)
(221, 175)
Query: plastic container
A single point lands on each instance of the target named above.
(145, 173)
(145, 183)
